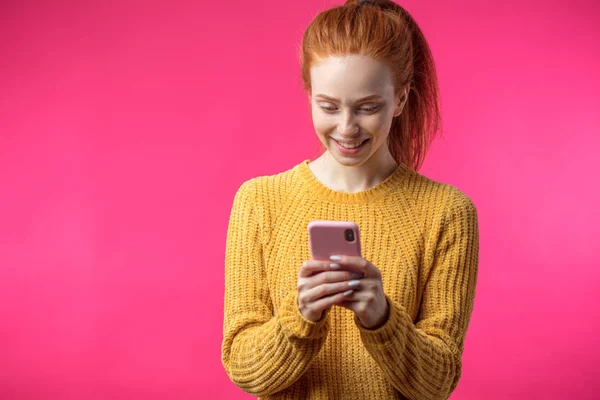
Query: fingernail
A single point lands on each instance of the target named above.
(334, 266)
(346, 293)
(356, 275)
(353, 283)
(335, 258)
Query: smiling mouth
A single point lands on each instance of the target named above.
(351, 145)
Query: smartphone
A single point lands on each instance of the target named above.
(328, 238)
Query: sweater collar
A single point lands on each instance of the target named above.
(317, 189)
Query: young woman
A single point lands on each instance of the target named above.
(391, 324)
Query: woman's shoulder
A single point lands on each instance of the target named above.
(270, 185)
(434, 193)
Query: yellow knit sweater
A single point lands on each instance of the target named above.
(423, 237)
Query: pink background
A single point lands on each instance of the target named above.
(126, 128)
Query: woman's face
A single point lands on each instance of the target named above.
(353, 103)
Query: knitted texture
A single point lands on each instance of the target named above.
(422, 235)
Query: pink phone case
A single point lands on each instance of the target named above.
(327, 238)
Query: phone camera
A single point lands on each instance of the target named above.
(349, 235)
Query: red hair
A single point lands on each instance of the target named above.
(386, 32)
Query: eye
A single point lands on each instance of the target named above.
(329, 109)
(327, 106)
(370, 109)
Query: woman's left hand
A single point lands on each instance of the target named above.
(368, 302)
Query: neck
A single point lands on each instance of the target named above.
(352, 179)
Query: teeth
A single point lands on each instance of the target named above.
(350, 145)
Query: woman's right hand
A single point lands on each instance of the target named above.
(321, 284)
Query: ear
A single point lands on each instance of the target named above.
(401, 99)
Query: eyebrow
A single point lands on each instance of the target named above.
(371, 97)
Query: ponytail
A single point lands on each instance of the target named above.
(413, 131)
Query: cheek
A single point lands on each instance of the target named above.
(322, 124)
(378, 126)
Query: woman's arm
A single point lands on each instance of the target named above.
(423, 360)
(264, 350)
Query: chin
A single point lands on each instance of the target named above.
(349, 161)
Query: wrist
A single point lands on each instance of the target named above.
(381, 321)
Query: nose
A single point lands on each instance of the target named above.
(347, 125)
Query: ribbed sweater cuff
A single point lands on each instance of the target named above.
(395, 326)
(294, 324)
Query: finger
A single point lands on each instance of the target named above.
(311, 267)
(353, 301)
(325, 277)
(328, 301)
(328, 289)
(334, 276)
(358, 264)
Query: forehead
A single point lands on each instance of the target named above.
(351, 76)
